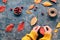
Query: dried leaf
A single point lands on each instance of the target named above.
(28, 12)
(9, 28)
(33, 21)
(2, 8)
(20, 26)
(37, 1)
(4, 1)
(31, 7)
(56, 30)
(58, 25)
(47, 3)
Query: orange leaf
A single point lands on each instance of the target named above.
(9, 28)
(20, 26)
(37, 1)
(2, 8)
(4, 1)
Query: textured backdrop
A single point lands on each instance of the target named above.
(8, 17)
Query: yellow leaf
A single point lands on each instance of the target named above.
(58, 25)
(46, 4)
(56, 30)
(28, 12)
(31, 6)
(33, 21)
(37, 1)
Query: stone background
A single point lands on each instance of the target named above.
(8, 17)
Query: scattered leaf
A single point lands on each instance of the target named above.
(4, 1)
(9, 28)
(47, 3)
(58, 25)
(20, 26)
(56, 30)
(28, 12)
(37, 1)
(31, 7)
(33, 21)
(2, 8)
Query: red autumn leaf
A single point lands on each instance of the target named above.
(20, 26)
(4, 1)
(9, 28)
(42, 31)
(2, 8)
